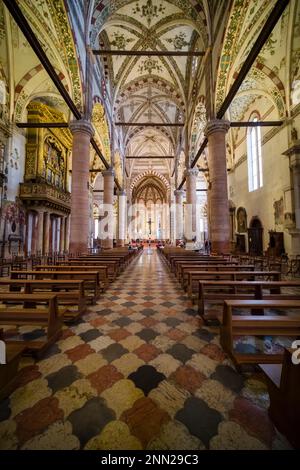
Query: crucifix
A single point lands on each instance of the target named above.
(149, 223)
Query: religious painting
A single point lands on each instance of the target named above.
(241, 217)
(54, 164)
(279, 212)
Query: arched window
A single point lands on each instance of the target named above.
(255, 175)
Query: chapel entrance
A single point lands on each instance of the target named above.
(255, 237)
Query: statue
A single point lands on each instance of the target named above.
(241, 220)
(294, 134)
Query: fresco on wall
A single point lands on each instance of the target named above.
(241, 217)
(279, 212)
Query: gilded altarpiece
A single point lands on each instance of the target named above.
(46, 178)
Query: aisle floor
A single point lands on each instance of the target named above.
(138, 372)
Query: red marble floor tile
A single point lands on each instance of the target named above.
(104, 377)
(145, 419)
(118, 334)
(175, 334)
(79, 352)
(98, 321)
(27, 374)
(147, 352)
(126, 311)
(66, 333)
(253, 419)
(148, 304)
(214, 352)
(148, 322)
(34, 420)
(188, 378)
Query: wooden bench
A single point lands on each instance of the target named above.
(121, 260)
(32, 309)
(218, 291)
(113, 268)
(189, 270)
(91, 279)
(179, 266)
(69, 293)
(236, 274)
(283, 381)
(102, 270)
(9, 370)
(257, 325)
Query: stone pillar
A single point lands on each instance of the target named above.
(179, 194)
(219, 206)
(46, 232)
(292, 213)
(79, 231)
(190, 222)
(295, 167)
(122, 206)
(62, 235)
(108, 199)
(67, 233)
(40, 232)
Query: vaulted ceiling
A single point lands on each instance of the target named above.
(150, 89)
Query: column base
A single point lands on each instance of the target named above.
(120, 242)
(221, 247)
(77, 248)
(107, 244)
(190, 246)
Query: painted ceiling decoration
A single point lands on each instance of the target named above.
(151, 89)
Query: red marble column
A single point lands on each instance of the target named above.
(62, 235)
(108, 199)
(46, 231)
(67, 232)
(219, 206)
(40, 231)
(191, 203)
(79, 230)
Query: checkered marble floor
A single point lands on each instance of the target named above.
(138, 372)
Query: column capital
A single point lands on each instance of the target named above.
(82, 125)
(191, 172)
(108, 172)
(216, 125)
(179, 192)
(121, 192)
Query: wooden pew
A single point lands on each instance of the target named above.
(112, 266)
(69, 293)
(235, 274)
(185, 269)
(9, 370)
(91, 279)
(218, 291)
(121, 260)
(257, 325)
(179, 265)
(32, 309)
(283, 381)
(102, 270)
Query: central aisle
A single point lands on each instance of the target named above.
(137, 372)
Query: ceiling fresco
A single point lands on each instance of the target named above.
(149, 89)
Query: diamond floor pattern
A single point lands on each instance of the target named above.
(137, 372)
